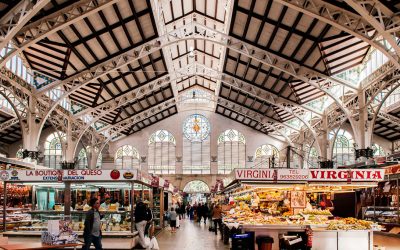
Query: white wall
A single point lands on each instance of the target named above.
(218, 123)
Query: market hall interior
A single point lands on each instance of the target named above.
(276, 120)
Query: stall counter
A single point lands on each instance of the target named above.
(322, 239)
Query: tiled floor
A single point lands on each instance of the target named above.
(390, 243)
(191, 236)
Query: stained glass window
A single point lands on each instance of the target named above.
(231, 151)
(343, 148)
(127, 157)
(53, 151)
(196, 145)
(161, 153)
(266, 156)
(82, 159)
(378, 150)
(196, 128)
(196, 187)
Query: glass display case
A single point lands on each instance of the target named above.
(48, 202)
(157, 207)
(382, 215)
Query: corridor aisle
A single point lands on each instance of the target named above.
(191, 236)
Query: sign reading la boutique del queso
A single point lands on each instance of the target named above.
(310, 174)
(68, 175)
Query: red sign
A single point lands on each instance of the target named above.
(155, 181)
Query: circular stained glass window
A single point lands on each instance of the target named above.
(196, 128)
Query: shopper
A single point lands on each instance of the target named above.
(183, 212)
(188, 207)
(205, 212)
(210, 212)
(140, 222)
(149, 218)
(217, 218)
(172, 217)
(92, 231)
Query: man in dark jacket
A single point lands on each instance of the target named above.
(141, 221)
(92, 231)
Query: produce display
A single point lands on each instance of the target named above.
(244, 216)
(350, 224)
(316, 212)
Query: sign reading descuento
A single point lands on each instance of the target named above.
(354, 175)
(68, 175)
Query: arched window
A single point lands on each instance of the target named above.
(266, 156)
(378, 150)
(127, 157)
(343, 148)
(161, 154)
(82, 159)
(196, 187)
(231, 151)
(196, 145)
(99, 160)
(53, 151)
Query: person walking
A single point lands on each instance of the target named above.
(92, 230)
(149, 229)
(183, 212)
(188, 210)
(205, 212)
(200, 210)
(141, 221)
(172, 218)
(217, 218)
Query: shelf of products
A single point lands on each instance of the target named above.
(242, 215)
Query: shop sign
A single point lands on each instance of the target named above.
(392, 169)
(254, 174)
(346, 174)
(155, 181)
(68, 175)
(166, 184)
(146, 178)
(292, 175)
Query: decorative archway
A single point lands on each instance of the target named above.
(196, 186)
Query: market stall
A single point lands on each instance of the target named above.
(380, 204)
(60, 194)
(295, 204)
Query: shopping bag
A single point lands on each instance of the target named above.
(147, 242)
(154, 244)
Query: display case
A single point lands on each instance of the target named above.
(382, 215)
(113, 222)
(158, 200)
(16, 217)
